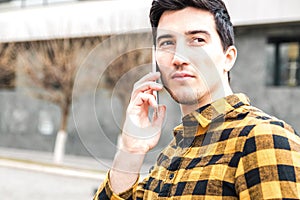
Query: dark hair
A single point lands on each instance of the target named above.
(216, 7)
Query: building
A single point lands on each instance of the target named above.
(267, 69)
(267, 38)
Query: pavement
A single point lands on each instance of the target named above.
(32, 175)
(20, 184)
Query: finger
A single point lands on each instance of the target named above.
(144, 98)
(159, 116)
(147, 87)
(147, 82)
(152, 76)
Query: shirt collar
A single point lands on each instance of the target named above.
(209, 113)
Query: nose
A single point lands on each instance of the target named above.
(180, 58)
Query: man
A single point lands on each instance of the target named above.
(224, 148)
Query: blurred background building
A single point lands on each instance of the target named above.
(67, 66)
(267, 69)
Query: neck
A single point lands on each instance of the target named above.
(208, 98)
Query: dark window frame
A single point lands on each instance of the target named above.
(277, 42)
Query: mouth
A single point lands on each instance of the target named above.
(181, 76)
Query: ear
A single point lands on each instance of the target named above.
(230, 58)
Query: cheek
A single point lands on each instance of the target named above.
(165, 73)
(163, 58)
(207, 69)
(207, 62)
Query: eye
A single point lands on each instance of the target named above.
(166, 43)
(197, 41)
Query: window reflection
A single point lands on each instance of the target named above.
(284, 61)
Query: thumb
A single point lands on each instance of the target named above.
(159, 116)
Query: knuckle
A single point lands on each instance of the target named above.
(135, 85)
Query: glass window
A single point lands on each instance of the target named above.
(283, 61)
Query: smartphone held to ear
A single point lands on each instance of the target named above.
(154, 69)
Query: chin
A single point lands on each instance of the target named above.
(186, 101)
(185, 97)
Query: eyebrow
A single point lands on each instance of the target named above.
(164, 36)
(193, 32)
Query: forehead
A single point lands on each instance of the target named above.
(187, 19)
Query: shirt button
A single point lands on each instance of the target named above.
(151, 169)
(171, 176)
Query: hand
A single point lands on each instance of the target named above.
(141, 134)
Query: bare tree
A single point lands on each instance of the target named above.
(7, 65)
(48, 70)
(132, 61)
(129, 65)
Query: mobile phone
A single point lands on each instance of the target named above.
(154, 69)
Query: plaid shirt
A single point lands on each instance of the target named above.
(225, 150)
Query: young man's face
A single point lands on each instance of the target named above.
(190, 55)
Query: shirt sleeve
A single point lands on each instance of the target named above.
(105, 191)
(269, 167)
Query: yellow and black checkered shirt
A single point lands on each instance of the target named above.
(225, 150)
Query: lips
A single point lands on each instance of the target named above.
(182, 75)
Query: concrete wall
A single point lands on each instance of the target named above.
(250, 73)
(32, 124)
(93, 130)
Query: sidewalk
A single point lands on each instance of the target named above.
(32, 175)
(74, 166)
